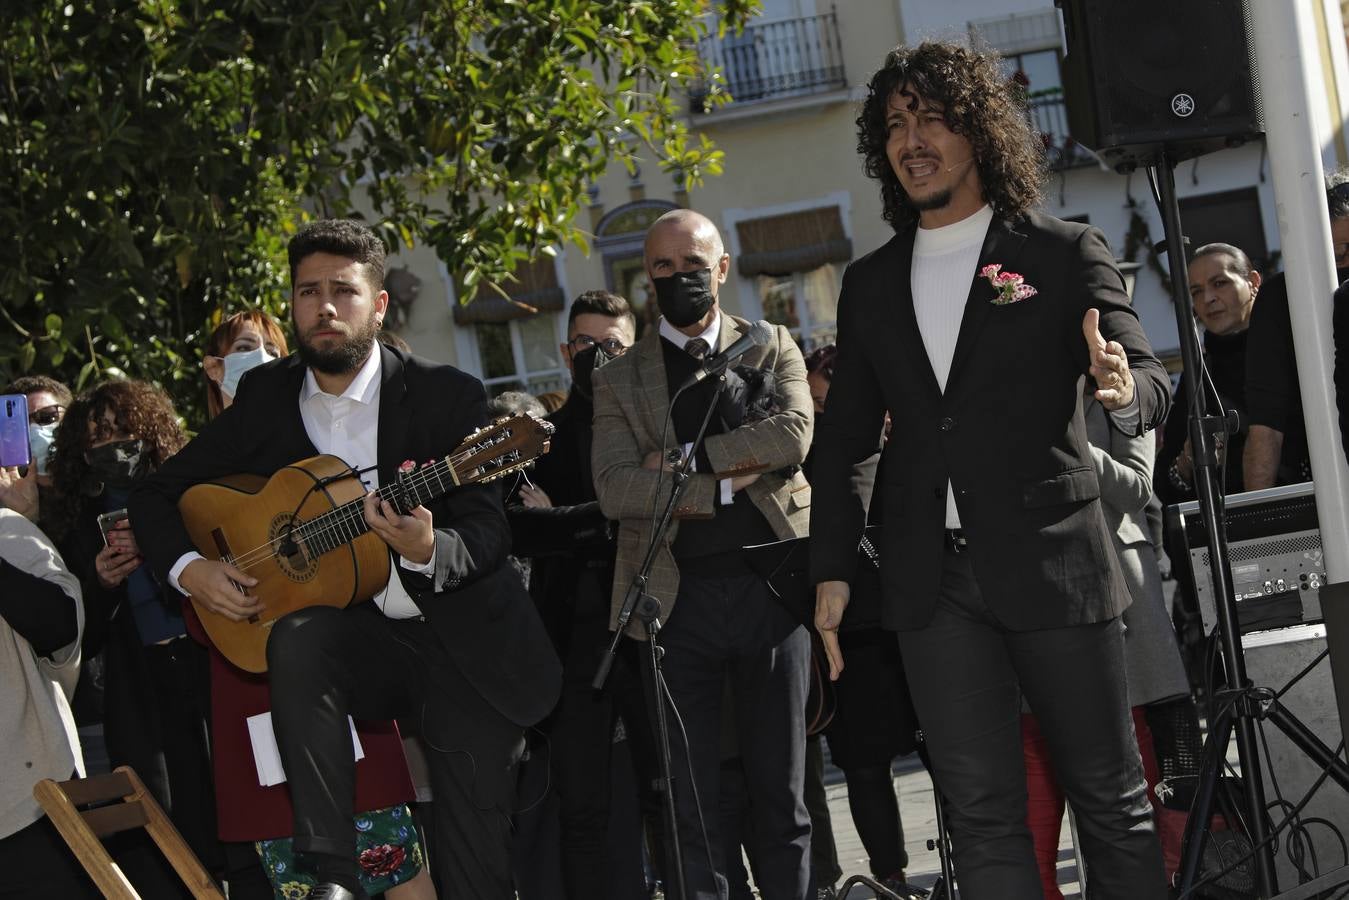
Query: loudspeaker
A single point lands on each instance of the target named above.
(1273, 659)
(1148, 75)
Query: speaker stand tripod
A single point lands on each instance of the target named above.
(1247, 705)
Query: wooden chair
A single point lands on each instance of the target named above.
(119, 802)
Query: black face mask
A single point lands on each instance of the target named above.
(117, 465)
(584, 364)
(684, 297)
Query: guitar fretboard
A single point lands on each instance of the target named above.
(343, 524)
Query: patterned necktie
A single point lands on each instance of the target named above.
(697, 348)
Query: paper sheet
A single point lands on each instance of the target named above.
(266, 755)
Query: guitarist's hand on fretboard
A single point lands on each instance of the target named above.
(411, 537)
(221, 588)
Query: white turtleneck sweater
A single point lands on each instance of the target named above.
(943, 269)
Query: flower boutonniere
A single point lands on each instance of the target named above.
(1011, 287)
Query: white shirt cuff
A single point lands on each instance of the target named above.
(423, 568)
(183, 562)
(727, 494)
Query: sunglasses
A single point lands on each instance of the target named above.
(47, 415)
(610, 346)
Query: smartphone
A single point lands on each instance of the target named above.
(13, 430)
(109, 520)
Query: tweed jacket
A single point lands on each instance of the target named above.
(632, 402)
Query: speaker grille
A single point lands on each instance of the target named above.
(1276, 547)
(1178, 73)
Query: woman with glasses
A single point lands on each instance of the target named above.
(48, 398)
(155, 694)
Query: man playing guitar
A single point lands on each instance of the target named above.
(453, 641)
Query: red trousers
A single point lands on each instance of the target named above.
(1044, 798)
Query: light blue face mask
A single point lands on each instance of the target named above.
(40, 440)
(236, 364)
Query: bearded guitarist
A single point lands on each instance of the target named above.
(452, 642)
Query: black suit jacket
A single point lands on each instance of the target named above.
(1008, 431)
(477, 606)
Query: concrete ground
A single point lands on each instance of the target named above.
(917, 812)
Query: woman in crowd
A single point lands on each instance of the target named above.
(389, 848)
(155, 701)
(1156, 673)
(874, 719)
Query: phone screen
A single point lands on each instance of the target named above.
(13, 430)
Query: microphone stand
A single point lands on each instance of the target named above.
(647, 608)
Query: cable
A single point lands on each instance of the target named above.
(688, 759)
(1325, 773)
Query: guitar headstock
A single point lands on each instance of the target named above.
(506, 445)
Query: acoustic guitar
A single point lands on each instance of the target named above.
(302, 532)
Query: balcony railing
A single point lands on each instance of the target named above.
(1049, 116)
(771, 60)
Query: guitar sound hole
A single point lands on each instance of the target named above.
(297, 563)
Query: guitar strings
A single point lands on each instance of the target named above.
(332, 521)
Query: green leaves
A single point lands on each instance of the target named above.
(156, 154)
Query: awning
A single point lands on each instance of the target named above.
(534, 290)
(792, 242)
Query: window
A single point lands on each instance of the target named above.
(515, 342)
(521, 355)
(795, 261)
(1229, 217)
(804, 302)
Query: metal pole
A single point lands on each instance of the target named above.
(1208, 490)
(1292, 84)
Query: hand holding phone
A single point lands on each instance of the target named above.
(120, 555)
(14, 430)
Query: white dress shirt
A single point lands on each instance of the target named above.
(347, 426)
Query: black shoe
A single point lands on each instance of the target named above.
(901, 888)
(330, 891)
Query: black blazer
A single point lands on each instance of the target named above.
(1008, 431)
(477, 606)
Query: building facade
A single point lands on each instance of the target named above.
(794, 205)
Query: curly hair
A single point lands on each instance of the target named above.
(140, 410)
(340, 237)
(978, 102)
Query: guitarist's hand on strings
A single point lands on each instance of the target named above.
(221, 588)
(410, 536)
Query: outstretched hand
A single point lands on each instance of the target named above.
(1109, 365)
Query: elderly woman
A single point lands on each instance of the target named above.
(1155, 671)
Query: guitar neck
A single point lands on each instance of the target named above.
(343, 524)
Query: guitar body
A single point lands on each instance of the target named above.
(243, 519)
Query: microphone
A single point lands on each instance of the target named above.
(759, 334)
(961, 163)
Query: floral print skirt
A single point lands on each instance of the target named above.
(388, 850)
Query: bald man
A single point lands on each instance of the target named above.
(720, 621)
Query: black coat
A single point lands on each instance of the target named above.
(481, 613)
(1007, 432)
(571, 544)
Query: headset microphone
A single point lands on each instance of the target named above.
(961, 163)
